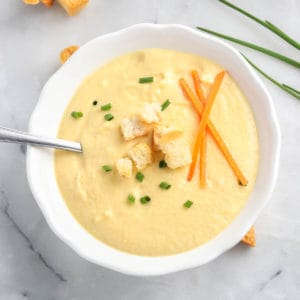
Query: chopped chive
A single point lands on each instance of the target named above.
(188, 204)
(106, 107)
(165, 105)
(266, 51)
(164, 185)
(108, 117)
(95, 102)
(162, 164)
(139, 176)
(131, 198)
(106, 168)
(145, 199)
(266, 24)
(146, 80)
(76, 114)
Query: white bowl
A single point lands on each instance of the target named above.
(60, 88)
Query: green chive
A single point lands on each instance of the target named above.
(95, 102)
(188, 204)
(162, 164)
(164, 185)
(108, 117)
(266, 51)
(131, 198)
(106, 107)
(76, 114)
(146, 80)
(266, 24)
(282, 86)
(165, 105)
(139, 176)
(290, 88)
(145, 199)
(106, 168)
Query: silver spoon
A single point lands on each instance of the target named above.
(14, 136)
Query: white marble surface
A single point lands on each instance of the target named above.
(35, 264)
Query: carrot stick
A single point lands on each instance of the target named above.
(197, 86)
(205, 117)
(203, 161)
(190, 95)
(214, 133)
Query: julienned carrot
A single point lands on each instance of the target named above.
(197, 86)
(190, 95)
(214, 133)
(203, 161)
(205, 117)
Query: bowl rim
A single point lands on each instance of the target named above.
(151, 266)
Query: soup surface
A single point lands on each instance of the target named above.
(95, 190)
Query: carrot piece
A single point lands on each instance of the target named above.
(203, 161)
(214, 133)
(206, 112)
(190, 95)
(194, 158)
(197, 86)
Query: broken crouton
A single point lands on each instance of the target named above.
(163, 135)
(151, 113)
(141, 155)
(133, 127)
(47, 3)
(31, 2)
(177, 153)
(249, 238)
(72, 7)
(124, 167)
(67, 52)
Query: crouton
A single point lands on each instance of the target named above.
(72, 7)
(141, 155)
(177, 153)
(133, 127)
(124, 167)
(163, 135)
(249, 238)
(31, 2)
(67, 52)
(151, 113)
(47, 3)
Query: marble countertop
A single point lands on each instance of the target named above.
(35, 264)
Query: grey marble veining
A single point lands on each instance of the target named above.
(35, 264)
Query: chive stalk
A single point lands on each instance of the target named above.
(139, 176)
(106, 168)
(106, 107)
(146, 79)
(131, 198)
(76, 114)
(266, 51)
(293, 92)
(162, 164)
(266, 24)
(145, 199)
(108, 117)
(188, 204)
(165, 105)
(164, 185)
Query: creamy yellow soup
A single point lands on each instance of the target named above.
(162, 226)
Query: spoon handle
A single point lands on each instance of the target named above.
(14, 136)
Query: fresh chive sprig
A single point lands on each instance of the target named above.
(290, 90)
(266, 51)
(266, 24)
